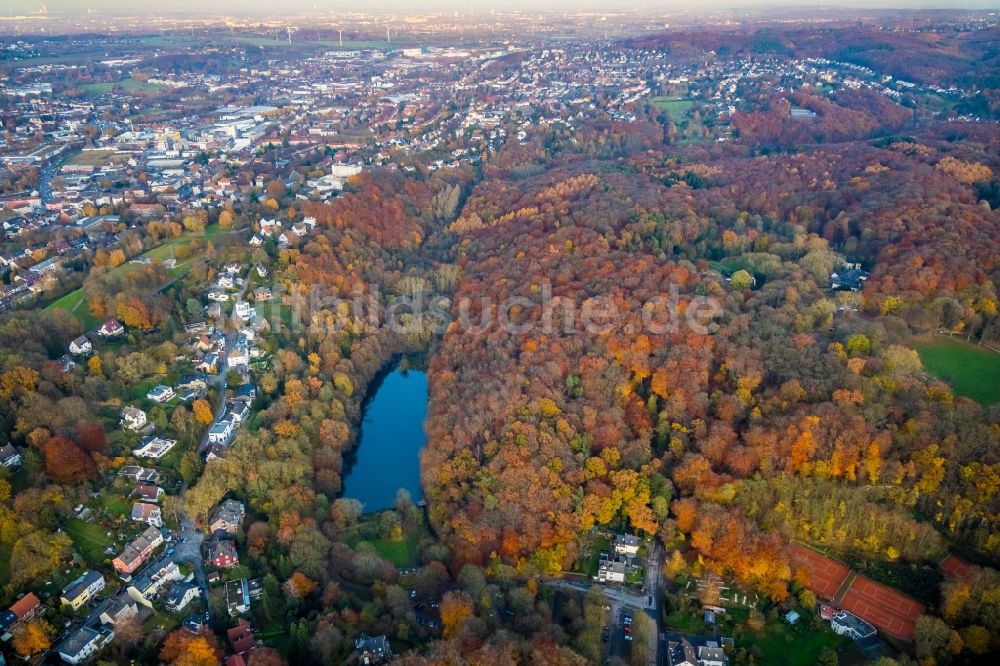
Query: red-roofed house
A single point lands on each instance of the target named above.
(26, 607)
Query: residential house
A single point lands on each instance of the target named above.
(852, 279)
(143, 512)
(256, 240)
(133, 419)
(8, 621)
(681, 653)
(850, 625)
(82, 590)
(10, 456)
(627, 544)
(26, 607)
(209, 364)
(247, 392)
(238, 356)
(227, 517)
(269, 227)
(139, 474)
(239, 594)
(155, 578)
(372, 649)
(241, 637)
(611, 572)
(221, 553)
(148, 493)
(711, 654)
(215, 452)
(194, 382)
(80, 346)
(221, 432)
(110, 329)
(261, 294)
(160, 393)
(181, 594)
(243, 310)
(138, 551)
(261, 270)
(213, 311)
(288, 239)
(118, 609)
(154, 447)
(84, 642)
(239, 409)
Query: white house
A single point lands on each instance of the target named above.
(80, 346)
(243, 310)
(111, 328)
(133, 419)
(711, 655)
(160, 393)
(152, 580)
(150, 514)
(852, 626)
(154, 447)
(119, 608)
(627, 544)
(611, 572)
(221, 432)
(181, 594)
(238, 356)
(83, 643)
(269, 227)
(239, 410)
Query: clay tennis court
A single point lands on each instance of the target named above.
(954, 567)
(893, 612)
(825, 574)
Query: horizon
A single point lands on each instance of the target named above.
(65, 8)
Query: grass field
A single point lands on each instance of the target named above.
(675, 106)
(115, 506)
(89, 539)
(75, 302)
(91, 158)
(128, 85)
(972, 371)
(791, 646)
(402, 553)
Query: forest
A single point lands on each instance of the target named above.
(797, 413)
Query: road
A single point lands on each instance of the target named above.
(221, 380)
(187, 548)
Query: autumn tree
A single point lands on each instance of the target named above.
(66, 462)
(203, 412)
(32, 638)
(182, 648)
(456, 608)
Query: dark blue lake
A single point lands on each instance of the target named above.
(392, 433)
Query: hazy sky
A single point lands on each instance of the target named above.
(417, 6)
